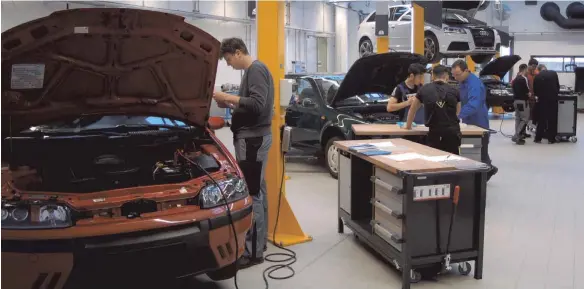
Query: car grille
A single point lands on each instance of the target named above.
(483, 37)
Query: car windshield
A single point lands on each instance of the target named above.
(329, 85)
(455, 18)
(109, 122)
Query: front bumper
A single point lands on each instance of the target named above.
(458, 44)
(125, 260)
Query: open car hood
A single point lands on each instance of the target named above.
(466, 8)
(107, 61)
(500, 66)
(379, 73)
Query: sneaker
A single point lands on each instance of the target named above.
(493, 171)
(526, 135)
(246, 262)
(518, 141)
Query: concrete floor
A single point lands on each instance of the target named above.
(534, 226)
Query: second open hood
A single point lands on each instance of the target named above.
(379, 73)
(500, 66)
(107, 61)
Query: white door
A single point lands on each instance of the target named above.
(402, 29)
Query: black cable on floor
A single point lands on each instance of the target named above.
(501, 128)
(290, 256)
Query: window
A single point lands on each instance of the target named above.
(303, 91)
(371, 18)
(406, 17)
(561, 63)
(399, 11)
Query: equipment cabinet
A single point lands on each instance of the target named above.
(404, 209)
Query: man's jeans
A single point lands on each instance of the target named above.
(252, 157)
(521, 118)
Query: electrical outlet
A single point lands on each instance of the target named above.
(432, 192)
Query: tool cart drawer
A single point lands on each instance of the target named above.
(387, 216)
(388, 188)
(393, 238)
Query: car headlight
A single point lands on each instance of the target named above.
(231, 190)
(43, 216)
(456, 30)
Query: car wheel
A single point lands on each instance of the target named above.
(481, 59)
(366, 46)
(431, 48)
(224, 273)
(332, 157)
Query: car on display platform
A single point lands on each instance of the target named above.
(111, 173)
(323, 108)
(458, 35)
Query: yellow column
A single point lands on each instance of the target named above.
(471, 64)
(270, 23)
(418, 30)
(382, 8)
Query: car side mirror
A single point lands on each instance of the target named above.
(216, 122)
(307, 102)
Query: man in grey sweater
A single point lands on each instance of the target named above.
(251, 124)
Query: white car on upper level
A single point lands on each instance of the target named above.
(457, 37)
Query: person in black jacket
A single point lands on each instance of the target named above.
(546, 86)
(521, 103)
(441, 103)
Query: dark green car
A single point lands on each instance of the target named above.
(323, 107)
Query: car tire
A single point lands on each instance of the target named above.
(224, 273)
(432, 48)
(365, 46)
(331, 157)
(481, 59)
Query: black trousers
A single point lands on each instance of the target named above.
(445, 139)
(547, 125)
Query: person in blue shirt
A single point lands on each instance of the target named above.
(474, 111)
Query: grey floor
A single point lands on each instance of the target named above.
(534, 230)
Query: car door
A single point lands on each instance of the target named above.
(304, 116)
(400, 29)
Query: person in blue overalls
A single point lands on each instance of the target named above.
(403, 94)
(474, 111)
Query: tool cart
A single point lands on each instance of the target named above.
(567, 115)
(420, 208)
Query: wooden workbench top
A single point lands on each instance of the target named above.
(417, 165)
(395, 130)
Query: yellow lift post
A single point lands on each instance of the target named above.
(382, 26)
(270, 23)
(471, 64)
(418, 30)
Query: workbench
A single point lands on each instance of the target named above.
(401, 205)
(474, 143)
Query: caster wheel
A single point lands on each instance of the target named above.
(573, 139)
(415, 276)
(558, 138)
(464, 268)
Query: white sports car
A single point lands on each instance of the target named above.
(457, 36)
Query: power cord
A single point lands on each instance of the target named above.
(230, 218)
(501, 128)
(290, 257)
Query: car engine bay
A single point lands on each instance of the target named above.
(94, 163)
(375, 113)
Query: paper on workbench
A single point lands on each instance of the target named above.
(443, 158)
(383, 144)
(405, 157)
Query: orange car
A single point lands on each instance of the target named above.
(111, 173)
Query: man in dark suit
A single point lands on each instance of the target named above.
(521, 103)
(546, 86)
